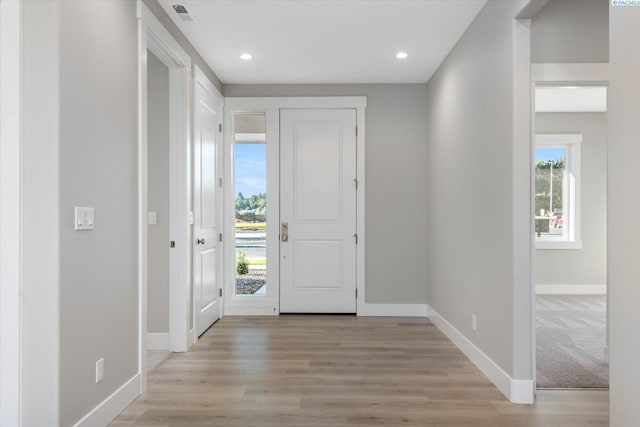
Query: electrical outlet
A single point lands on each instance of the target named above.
(474, 324)
(99, 370)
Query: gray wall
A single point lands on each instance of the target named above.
(469, 183)
(40, 311)
(98, 168)
(158, 195)
(624, 211)
(571, 31)
(588, 265)
(166, 21)
(396, 134)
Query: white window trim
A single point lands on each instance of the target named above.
(572, 141)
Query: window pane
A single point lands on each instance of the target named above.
(550, 201)
(250, 183)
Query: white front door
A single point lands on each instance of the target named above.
(206, 203)
(318, 211)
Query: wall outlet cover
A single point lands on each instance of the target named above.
(99, 370)
(83, 218)
(152, 218)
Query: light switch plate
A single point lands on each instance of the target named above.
(152, 218)
(83, 218)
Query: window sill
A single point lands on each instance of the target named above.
(564, 245)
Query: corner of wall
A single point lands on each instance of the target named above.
(517, 391)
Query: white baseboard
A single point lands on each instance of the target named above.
(571, 289)
(522, 391)
(157, 341)
(106, 411)
(396, 310)
(517, 391)
(249, 311)
(191, 337)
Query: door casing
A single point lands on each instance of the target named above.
(153, 36)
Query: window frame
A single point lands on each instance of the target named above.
(232, 184)
(572, 143)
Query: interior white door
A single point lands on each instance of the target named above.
(206, 203)
(318, 211)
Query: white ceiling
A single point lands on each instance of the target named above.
(571, 99)
(324, 41)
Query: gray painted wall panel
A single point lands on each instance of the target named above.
(624, 211)
(98, 168)
(395, 175)
(589, 265)
(158, 196)
(469, 116)
(571, 31)
(40, 312)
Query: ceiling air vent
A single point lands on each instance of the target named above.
(183, 13)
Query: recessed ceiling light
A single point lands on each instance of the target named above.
(402, 55)
(246, 56)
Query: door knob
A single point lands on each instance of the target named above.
(199, 241)
(284, 232)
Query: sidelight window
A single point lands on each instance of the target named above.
(250, 183)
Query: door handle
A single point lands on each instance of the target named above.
(199, 241)
(284, 232)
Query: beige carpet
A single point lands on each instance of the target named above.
(570, 341)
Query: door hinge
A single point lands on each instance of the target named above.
(220, 182)
(220, 291)
(220, 127)
(220, 237)
(356, 237)
(172, 244)
(356, 292)
(356, 130)
(355, 180)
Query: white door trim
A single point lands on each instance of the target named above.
(266, 306)
(10, 212)
(201, 80)
(153, 36)
(523, 337)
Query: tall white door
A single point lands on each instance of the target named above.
(207, 203)
(318, 211)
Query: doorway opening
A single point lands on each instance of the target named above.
(295, 166)
(171, 87)
(570, 262)
(158, 215)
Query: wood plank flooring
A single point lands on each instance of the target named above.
(337, 371)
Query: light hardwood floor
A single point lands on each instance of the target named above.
(337, 371)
